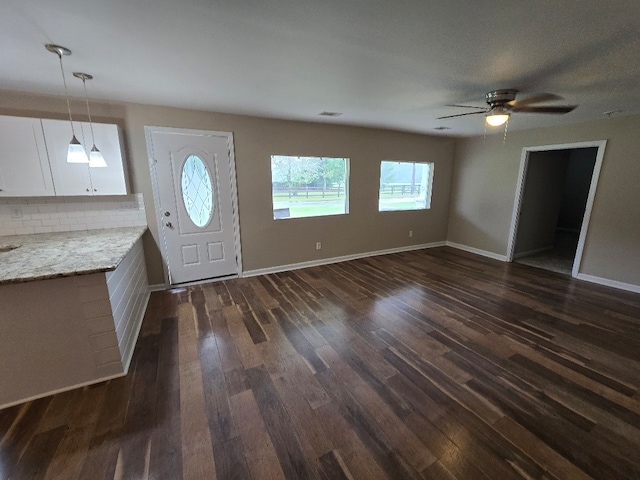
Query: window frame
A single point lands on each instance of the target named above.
(347, 176)
(428, 186)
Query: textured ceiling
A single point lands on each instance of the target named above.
(388, 64)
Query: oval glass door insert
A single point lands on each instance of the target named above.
(197, 191)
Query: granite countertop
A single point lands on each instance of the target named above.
(63, 254)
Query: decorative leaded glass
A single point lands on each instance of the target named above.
(197, 191)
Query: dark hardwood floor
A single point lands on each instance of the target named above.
(433, 364)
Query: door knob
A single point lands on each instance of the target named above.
(169, 224)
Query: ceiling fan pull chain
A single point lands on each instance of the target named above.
(506, 128)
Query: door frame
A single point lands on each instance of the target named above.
(148, 131)
(524, 162)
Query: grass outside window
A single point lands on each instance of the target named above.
(405, 185)
(309, 186)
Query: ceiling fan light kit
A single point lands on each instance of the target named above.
(502, 103)
(496, 120)
(498, 116)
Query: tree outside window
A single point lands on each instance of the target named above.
(308, 186)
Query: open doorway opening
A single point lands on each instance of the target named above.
(555, 194)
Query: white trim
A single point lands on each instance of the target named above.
(532, 252)
(156, 201)
(587, 212)
(149, 130)
(234, 202)
(344, 258)
(205, 280)
(477, 251)
(515, 215)
(609, 283)
(61, 390)
(158, 287)
(432, 173)
(127, 361)
(566, 146)
(517, 204)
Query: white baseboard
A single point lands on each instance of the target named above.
(609, 283)
(344, 258)
(477, 251)
(158, 287)
(60, 390)
(533, 252)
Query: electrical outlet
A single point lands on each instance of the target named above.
(318, 245)
(411, 233)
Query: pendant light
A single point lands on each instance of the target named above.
(96, 160)
(75, 152)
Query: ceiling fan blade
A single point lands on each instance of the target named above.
(467, 106)
(542, 97)
(558, 110)
(462, 115)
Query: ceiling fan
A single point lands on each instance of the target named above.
(502, 103)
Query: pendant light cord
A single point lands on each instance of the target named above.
(86, 97)
(66, 94)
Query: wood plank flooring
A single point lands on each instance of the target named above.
(433, 364)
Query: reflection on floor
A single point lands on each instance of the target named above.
(559, 259)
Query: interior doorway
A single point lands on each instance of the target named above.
(553, 205)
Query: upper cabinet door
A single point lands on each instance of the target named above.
(24, 167)
(68, 178)
(109, 180)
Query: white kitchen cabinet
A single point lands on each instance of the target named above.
(24, 166)
(109, 180)
(78, 178)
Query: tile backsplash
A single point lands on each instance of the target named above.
(62, 214)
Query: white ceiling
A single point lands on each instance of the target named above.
(394, 64)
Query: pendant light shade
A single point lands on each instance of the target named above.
(76, 152)
(96, 160)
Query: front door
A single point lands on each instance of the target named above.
(194, 177)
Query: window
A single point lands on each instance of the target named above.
(197, 193)
(309, 186)
(405, 186)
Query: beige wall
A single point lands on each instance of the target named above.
(266, 242)
(484, 188)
